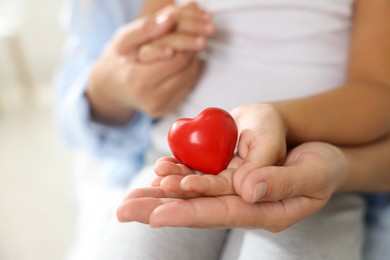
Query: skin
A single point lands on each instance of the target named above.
(150, 65)
(275, 196)
(192, 27)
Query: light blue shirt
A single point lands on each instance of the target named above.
(90, 25)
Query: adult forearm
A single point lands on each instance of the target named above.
(368, 167)
(354, 114)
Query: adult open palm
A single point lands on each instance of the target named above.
(295, 190)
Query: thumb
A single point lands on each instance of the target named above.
(143, 30)
(257, 150)
(305, 176)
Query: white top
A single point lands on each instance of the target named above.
(267, 50)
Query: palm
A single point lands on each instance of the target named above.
(220, 211)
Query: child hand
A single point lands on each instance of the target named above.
(193, 26)
(178, 179)
(261, 143)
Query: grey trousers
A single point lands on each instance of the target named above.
(336, 232)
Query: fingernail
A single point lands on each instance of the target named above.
(162, 18)
(260, 191)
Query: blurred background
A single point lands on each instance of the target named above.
(37, 207)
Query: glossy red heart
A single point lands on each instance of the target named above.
(205, 143)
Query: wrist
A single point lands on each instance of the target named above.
(352, 181)
(284, 122)
(269, 126)
(106, 109)
(276, 119)
(342, 163)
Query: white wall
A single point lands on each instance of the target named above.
(42, 39)
(43, 36)
(37, 208)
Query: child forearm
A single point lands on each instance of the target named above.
(368, 167)
(354, 114)
(358, 112)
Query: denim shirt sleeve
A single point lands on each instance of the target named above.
(90, 25)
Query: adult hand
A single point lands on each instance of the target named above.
(119, 84)
(300, 187)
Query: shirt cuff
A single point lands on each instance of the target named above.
(129, 140)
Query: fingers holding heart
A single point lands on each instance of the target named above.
(176, 177)
(167, 166)
(197, 185)
(210, 185)
(169, 173)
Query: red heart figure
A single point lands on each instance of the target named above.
(205, 143)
